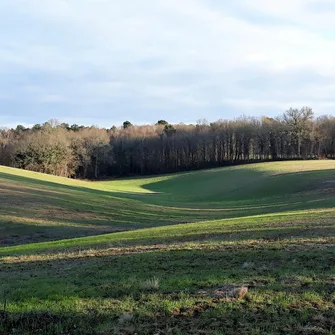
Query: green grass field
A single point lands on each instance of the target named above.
(170, 254)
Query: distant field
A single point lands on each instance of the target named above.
(161, 255)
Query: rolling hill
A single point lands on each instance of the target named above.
(162, 254)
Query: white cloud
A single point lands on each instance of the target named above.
(188, 57)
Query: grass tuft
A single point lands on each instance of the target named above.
(151, 284)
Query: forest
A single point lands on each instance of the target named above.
(95, 153)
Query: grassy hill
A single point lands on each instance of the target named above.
(163, 254)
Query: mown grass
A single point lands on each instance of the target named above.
(148, 256)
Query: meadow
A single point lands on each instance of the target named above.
(246, 249)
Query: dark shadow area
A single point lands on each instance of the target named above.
(243, 184)
(24, 233)
(202, 318)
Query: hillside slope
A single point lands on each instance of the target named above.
(37, 207)
(162, 255)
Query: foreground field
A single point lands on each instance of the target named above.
(166, 255)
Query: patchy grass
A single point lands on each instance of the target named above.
(241, 250)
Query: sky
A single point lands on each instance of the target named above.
(101, 62)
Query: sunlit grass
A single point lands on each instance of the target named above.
(146, 255)
(287, 222)
(140, 185)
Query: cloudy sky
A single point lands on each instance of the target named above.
(103, 61)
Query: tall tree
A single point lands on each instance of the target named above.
(126, 124)
(299, 125)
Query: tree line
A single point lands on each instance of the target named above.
(92, 152)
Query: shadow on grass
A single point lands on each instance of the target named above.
(75, 208)
(214, 182)
(288, 267)
(241, 184)
(204, 318)
(271, 227)
(18, 233)
(290, 291)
